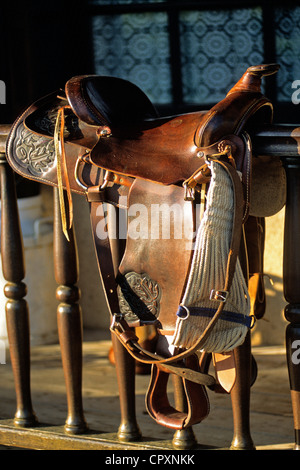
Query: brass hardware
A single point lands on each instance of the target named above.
(220, 295)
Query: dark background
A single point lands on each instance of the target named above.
(44, 43)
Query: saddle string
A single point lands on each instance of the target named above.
(203, 174)
(59, 144)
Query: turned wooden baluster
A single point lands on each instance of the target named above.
(125, 364)
(240, 397)
(284, 141)
(291, 278)
(17, 315)
(240, 393)
(69, 320)
(183, 439)
(125, 368)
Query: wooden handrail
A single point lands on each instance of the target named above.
(274, 140)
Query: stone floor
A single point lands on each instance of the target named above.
(271, 412)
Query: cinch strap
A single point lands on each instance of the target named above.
(184, 312)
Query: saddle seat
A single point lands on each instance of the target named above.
(108, 101)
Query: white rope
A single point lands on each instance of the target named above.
(208, 271)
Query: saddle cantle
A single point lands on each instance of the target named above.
(108, 101)
(102, 137)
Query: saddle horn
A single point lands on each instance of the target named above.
(252, 78)
(231, 115)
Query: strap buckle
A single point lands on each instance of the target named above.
(219, 295)
(116, 322)
(80, 159)
(189, 193)
(183, 315)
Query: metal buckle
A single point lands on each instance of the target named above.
(189, 193)
(187, 312)
(220, 295)
(76, 171)
(81, 159)
(116, 318)
(253, 321)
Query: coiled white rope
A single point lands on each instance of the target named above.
(208, 271)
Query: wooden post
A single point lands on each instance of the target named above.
(291, 278)
(69, 320)
(240, 398)
(125, 364)
(17, 315)
(183, 439)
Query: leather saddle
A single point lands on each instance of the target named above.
(117, 123)
(103, 138)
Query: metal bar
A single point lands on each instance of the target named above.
(277, 140)
(50, 437)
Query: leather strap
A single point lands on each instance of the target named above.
(158, 405)
(66, 213)
(96, 197)
(224, 365)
